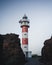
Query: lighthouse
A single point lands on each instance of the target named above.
(24, 22)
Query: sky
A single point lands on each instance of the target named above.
(39, 13)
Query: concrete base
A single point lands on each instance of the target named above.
(28, 54)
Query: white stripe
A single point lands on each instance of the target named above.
(25, 47)
(24, 35)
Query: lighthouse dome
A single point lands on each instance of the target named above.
(25, 17)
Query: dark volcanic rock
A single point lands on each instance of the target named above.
(11, 52)
(47, 52)
(1, 49)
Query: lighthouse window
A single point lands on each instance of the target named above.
(25, 23)
(25, 47)
(24, 34)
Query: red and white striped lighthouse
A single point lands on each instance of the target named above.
(24, 25)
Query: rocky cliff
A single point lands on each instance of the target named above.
(47, 52)
(10, 50)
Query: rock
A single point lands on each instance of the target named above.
(12, 53)
(1, 49)
(47, 52)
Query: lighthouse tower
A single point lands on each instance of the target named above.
(24, 25)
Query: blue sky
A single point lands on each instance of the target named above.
(39, 13)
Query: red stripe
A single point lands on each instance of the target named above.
(24, 40)
(24, 29)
